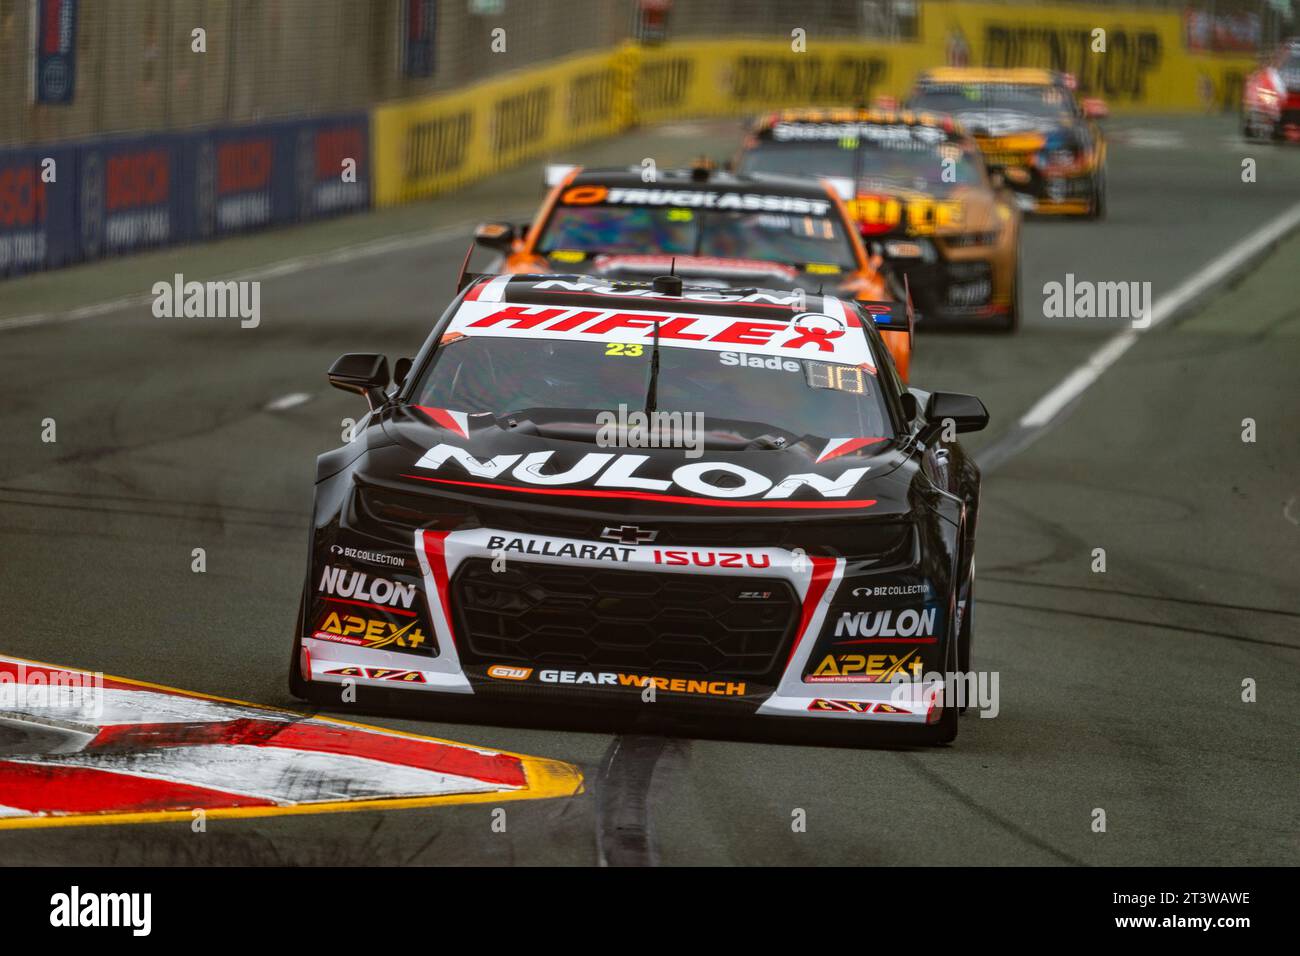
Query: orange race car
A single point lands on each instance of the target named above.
(922, 200)
(1029, 126)
(710, 228)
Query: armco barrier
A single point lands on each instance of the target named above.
(119, 195)
(426, 146)
(432, 144)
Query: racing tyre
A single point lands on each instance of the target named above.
(1012, 322)
(299, 686)
(964, 633)
(1247, 127)
(945, 731)
(1255, 129)
(1098, 210)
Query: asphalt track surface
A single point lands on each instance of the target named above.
(1120, 690)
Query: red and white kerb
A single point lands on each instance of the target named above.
(107, 746)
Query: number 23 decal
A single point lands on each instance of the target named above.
(628, 349)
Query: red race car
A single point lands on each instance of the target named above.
(1270, 103)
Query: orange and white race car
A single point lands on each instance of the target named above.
(710, 228)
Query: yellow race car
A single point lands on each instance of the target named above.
(922, 199)
(1045, 144)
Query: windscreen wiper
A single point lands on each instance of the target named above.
(652, 389)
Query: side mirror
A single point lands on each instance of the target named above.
(910, 406)
(362, 372)
(1095, 109)
(966, 412)
(401, 369)
(495, 235)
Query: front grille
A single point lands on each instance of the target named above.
(664, 624)
(950, 288)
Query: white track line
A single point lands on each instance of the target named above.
(361, 250)
(292, 400)
(1047, 408)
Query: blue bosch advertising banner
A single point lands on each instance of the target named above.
(273, 174)
(333, 158)
(56, 50)
(37, 209)
(129, 195)
(114, 196)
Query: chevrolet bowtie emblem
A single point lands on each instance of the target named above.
(629, 534)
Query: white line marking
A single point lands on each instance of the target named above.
(292, 400)
(1210, 275)
(361, 250)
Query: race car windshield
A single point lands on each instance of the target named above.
(794, 239)
(744, 397)
(1035, 100)
(923, 169)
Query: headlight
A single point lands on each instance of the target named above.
(402, 510)
(910, 249)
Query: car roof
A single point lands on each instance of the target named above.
(633, 177)
(1021, 76)
(764, 128)
(589, 292)
(575, 307)
(872, 116)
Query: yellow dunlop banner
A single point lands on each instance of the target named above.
(426, 146)
(1145, 67)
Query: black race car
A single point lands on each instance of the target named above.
(613, 492)
(922, 200)
(1047, 146)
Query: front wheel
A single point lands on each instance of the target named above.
(1098, 209)
(299, 686)
(1255, 129)
(965, 630)
(1012, 322)
(945, 731)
